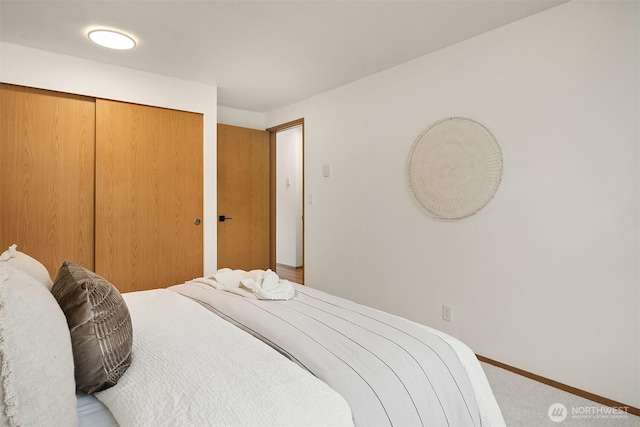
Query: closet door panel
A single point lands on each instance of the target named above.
(47, 142)
(148, 195)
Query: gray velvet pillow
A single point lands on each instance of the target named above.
(100, 326)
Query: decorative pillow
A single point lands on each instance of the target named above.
(29, 265)
(100, 325)
(36, 362)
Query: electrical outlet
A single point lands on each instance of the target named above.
(446, 312)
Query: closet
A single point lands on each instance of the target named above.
(113, 186)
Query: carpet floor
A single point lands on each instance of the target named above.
(528, 403)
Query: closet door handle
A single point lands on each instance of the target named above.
(197, 221)
(223, 218)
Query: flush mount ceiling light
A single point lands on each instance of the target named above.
(111, 39)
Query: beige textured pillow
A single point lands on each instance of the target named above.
(100, 325)
(29, 265)
(37, 387)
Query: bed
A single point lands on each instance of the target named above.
(194, 355)
(391, 371)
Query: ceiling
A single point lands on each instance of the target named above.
(262, 54)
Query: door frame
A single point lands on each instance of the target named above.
(273, 131)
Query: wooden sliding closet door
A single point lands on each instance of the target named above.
(148, 195)
(47, 142)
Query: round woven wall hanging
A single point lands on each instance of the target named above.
(454, 168)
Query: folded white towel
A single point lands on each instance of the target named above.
(265, 285)
(215, 284)
(270, 287)
(229, 278)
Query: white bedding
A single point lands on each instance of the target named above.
(191, 368)
(393, 372)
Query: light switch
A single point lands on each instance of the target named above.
(326, 171)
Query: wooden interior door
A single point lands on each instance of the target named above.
(243, 198)
(47, 142)
(148, 195)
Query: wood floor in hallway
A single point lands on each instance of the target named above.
(292, 274)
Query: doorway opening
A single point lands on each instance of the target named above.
(287, 200)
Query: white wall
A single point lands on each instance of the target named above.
(46, 70)
(546, 277)
(289, 197)
(242, 118)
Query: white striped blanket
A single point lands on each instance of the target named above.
(391, 371)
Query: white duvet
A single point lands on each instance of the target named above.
(191, 368)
